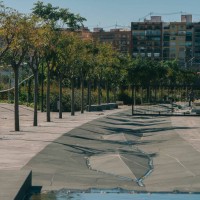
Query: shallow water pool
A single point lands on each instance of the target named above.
(113, 196)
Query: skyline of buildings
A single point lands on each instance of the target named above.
(156, 39)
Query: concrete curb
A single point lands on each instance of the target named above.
(14, 185)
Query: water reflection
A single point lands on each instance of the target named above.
(102, 195)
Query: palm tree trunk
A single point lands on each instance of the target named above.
(72, 97)
(16, 72)
(35, 123)
(60, 96)
(48, 94)
(82, 95)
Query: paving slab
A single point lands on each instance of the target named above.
(18, 148)
(58, 152)
(175, 161)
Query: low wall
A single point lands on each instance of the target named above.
(25, 187)
(15, 184)
(108, 106)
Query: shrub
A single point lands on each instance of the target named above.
(125, 96)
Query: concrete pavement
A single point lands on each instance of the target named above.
(61, 153)
(176, 163)
(14, 185)
(18, 148)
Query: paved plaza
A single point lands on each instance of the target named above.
(109, 149)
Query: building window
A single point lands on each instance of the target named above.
(181, 32)
(173, 55)
(188, 44)
(135, 54)
(173, 50)
(181, 54)
(166, 44)
(139, 33)
(172, 43)
(149, 55)
(156, 55)
(181, 27)
(156, 38)
(173, 33)
(181, 49)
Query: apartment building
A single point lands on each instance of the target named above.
(120, 39)
(85, 33)
(155, 39)
(196, 45)
(163, 41)
(147, 38)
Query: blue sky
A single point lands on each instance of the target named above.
(108, 13)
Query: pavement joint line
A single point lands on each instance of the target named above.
(164, 181)
(179, 162)
(126, 165)
(124, 137)
(135, 162)
(194, 147)
(25, 125)
(52, 179)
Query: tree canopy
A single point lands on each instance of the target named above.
(58, 15)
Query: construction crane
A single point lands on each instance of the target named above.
(161, 14)
(142, 18)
